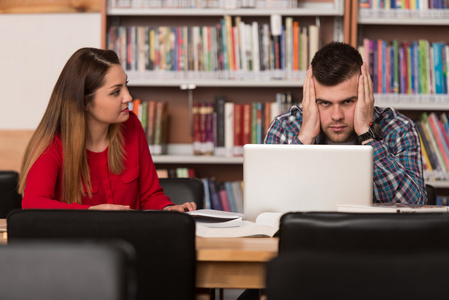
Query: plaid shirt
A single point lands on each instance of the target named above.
(398, 170)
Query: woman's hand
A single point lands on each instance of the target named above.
(110, 207)
(188, 206)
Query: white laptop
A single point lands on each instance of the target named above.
(283, 178)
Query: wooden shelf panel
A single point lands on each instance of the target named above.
(309, 9)
(404, 17)
(214, 83)
(413, 102)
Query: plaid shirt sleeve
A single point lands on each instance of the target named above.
(285, 128)
(398, 170)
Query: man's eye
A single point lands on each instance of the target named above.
(323, 103)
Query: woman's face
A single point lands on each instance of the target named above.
(110, 103)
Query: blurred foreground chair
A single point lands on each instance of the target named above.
(66, 270)
(164, 242)
(181, 190)
(9, 198)
(355, 275)
(360, 256)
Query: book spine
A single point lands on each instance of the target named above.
(220, 102)
(246, 120)
(238, 132)
(229, 128)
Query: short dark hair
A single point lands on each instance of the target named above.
(335, 63)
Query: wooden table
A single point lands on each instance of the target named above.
(234, 263)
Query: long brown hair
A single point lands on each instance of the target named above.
(83, 74)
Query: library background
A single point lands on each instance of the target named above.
(223, 69)
(208, 77)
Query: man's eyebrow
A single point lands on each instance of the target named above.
(343, 100)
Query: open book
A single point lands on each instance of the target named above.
(266, 224)
(392, 208)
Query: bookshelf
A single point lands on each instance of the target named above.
(405, 24)
(329, 15)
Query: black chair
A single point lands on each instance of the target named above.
(378, 231)
(9, 198)
(353, 247)
(355, 275)
(164, 242)
(66, 270)
(181, 190)
(431, 194)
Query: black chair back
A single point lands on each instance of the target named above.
(9, 198)
(164, 242)
(331, 255)
(66, 270)
(383, 231)
(181, 190)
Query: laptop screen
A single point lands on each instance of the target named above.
(284, 178)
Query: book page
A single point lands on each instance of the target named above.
(247, 229)
(266, 225)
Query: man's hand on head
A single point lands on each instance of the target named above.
(364, 109)
(310, 128)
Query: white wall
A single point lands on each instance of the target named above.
(33, 51)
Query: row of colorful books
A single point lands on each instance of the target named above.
(229, 50)
(222, 127)
(224, 4)
(417, 67)
(154, 118)
(404, 4)
(223, 195)
(434, 135)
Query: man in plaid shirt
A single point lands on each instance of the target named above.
(338, 108)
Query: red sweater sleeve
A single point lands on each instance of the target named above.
(43, 182)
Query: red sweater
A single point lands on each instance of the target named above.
(137, 186)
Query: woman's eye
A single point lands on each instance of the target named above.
(116, 93)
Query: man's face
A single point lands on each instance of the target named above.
(336, 105)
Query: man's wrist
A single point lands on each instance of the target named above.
(306, 140)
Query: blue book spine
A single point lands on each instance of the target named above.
(207, 201)
(231, 198)
(438, 68)
(416, 67)
(444, 61)
(214, 196)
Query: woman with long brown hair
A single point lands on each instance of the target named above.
(89, 151)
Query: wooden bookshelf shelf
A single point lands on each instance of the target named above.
(308, 9)
(196, 159)
(215, 83)
(404, 21)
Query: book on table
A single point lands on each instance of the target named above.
(216, 223)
